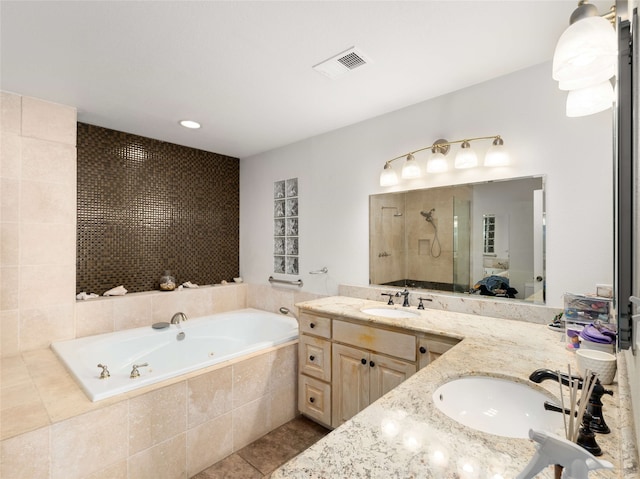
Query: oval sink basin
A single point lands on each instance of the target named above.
(497, 406)
(390, 313)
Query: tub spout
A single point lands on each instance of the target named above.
(178, 317)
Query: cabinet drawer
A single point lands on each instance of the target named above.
(382, 341)
(314, 357)
(316, 325)
(314, 399)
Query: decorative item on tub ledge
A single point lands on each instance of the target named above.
(465, 158)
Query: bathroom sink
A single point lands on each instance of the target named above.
(390, 313)
(497, 406)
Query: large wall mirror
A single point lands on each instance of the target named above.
(479, 239)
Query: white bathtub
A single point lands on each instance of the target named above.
(207, 340)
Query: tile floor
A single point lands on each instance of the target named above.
(260, 458)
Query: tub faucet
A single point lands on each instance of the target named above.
(178, 317)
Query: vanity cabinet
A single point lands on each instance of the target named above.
(346, 365)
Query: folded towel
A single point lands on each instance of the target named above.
(85, 295)
(117, 291)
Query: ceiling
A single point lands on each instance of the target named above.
(243, 69)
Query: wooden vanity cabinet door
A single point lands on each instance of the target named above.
(385, 374)
(430, 349)
(314, 357)
(350, 384)
(314, 399)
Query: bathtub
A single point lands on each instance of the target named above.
(206, 341)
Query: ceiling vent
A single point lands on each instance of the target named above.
(342, 63)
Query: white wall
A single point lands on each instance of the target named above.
(338, 171)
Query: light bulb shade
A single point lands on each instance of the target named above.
(590, 100)
(585, 54)
(437, 163)
(497, 155)
(411, 168)
(388, 176)
(466, 157)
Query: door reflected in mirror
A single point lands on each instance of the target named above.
(478, 239)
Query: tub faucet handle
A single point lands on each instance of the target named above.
(104, 374)
(134, 372)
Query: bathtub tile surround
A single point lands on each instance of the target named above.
(146, 206)
(38, 223)
(190, 422)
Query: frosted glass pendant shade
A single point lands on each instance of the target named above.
(590, 100)
(437, 163)
(466, 157)
(388, 176)
(411, 168)
(585, 54)
(497, 155)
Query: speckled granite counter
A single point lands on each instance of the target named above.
(403, 435)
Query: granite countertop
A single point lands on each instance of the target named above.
(403, 435)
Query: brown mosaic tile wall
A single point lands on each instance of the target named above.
(146, 206)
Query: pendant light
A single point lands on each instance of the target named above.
(438, 162)
(590, 100)
(497, 154)
(388, 176)
(411, 168)
(466, 157)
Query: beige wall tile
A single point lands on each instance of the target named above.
(45, 285)
(32, 416)
(49, 121)
(9, 333)
(210, 395)
(26, 456)
(209, 443)
(11, 106)
(43, 202)
(166, 460)
(131, 312)
(48, 244)
(10, 247)
(48, 161)
(9, 288)
(251, 379)
(10, 197)
(84, 444)
(41, 326)
(157, 416)
(10, 155)
(283, 405)
(94, 316)
(250, 422)
(193, 302)
(284, 367)
(229, 297)
(114, 471)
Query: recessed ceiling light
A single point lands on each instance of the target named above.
(190, 124)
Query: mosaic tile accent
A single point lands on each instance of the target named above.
(146, 206)
(285, 227)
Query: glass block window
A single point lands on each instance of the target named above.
(285, 227)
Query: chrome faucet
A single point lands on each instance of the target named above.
(405, 293)
(176, 318)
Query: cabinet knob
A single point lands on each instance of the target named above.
(372, 364)
(312, 325)
(311, 400)
(312, 357)
(422, 349)
(363, 361)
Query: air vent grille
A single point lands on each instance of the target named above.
(352, 60)
(342, 63)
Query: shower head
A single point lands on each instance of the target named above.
(428, 215)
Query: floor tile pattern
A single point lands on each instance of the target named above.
(260, 458)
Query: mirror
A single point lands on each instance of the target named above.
(478, 239)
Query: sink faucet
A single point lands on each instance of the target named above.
(176, 318)
(405, 293)
(594, 407)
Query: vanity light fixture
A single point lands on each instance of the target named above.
(466, 158)
(190, 124)
(585, 60)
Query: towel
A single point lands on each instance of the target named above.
(117, 291)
